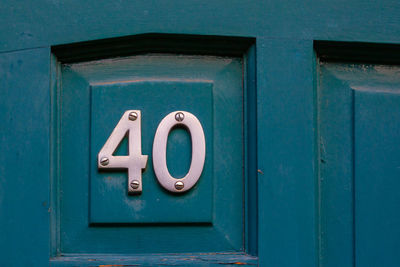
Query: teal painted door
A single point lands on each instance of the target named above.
(97, 215)
(299, 102)
(359, 164)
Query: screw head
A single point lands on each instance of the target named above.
(133, 116)
(104, 161)
(179, 116)
(179, 185)
(135, 184)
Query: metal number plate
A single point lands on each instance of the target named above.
(160, 150)
(135, 161)
(130, 123)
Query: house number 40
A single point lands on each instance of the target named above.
(130, 123)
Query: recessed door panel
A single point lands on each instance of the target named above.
(97, 213)
(359, 123)
(109, 199)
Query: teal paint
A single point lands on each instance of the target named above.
(377, 172)
(250, 136)
(284, 33)
(22, 24)
(285, 147)
(25, 158)
(92, 98)
(109, 201)
(211, 259)
(358, 128)
(335, 122)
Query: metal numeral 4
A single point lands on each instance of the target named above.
(135, 161)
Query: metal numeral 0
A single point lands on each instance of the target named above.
(135, 161)
(160, 151)
(131, 123)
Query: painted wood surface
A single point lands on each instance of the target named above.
(211, 259)
(359, 164)
(43, 23)
(25, 158)
(92, 96)
(289, 208)
(287, 177)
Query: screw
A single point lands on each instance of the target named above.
(104, 161)
(179, 116)
(135, 184)
(179, 185)
(133, 116)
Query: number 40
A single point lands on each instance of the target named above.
(130, 124)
